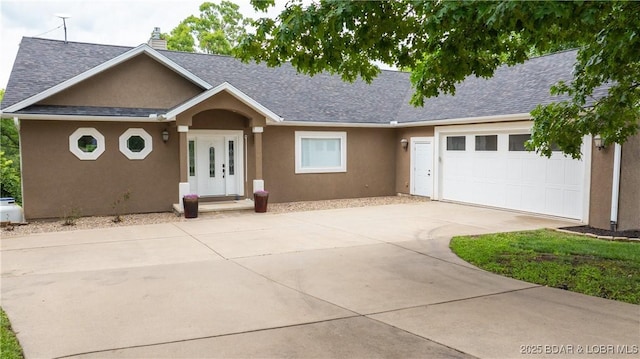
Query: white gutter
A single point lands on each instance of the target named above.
(394, 124)
(27, 116)
(332, 124)
(468, 120)
(279, 121)
(615, 186)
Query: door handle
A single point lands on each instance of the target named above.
(223, 171)
(428, 172)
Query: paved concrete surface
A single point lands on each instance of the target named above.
(349, 283)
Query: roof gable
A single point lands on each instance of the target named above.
(139, 82)
(144, 48)
(226, 87)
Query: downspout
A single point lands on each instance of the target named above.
(615, 186)
(246, 166)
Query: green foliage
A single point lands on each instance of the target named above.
(580, 264)
(70, 215)
(9, 158)
(9, 178)
(444, 42)
(218, 30)
(119, 206)
(9, 345)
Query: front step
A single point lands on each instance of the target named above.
(223, 206)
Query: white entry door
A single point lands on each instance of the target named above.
(422, 166)
(215, 164)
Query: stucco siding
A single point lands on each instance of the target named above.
(141, 82)
(601, 185)
(629, 206)
(56, 182)
(370, 166)
(600, 195)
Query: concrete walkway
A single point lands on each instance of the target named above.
(348, 283)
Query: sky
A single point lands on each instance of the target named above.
(112, 22)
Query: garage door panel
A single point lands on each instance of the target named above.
(515, 170)
(554, 171)
(517, 180)
(513, 196)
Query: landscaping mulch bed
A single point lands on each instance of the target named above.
(603, 232)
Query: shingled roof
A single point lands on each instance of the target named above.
(42, 63)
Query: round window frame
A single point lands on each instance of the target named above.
(86, 131)
(148, 143)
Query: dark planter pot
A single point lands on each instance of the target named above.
(190, 207)
(260, 200)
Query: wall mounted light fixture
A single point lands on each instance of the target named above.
(404, 143)
(598, 142)
(165, 135)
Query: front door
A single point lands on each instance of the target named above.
(422, 167)
(215, 163)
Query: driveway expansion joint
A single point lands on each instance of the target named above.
(456, 300)
(211, 336)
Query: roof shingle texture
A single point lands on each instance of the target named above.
(41, 64)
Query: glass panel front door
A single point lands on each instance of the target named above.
(214, 164)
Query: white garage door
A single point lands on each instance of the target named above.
(493, 169)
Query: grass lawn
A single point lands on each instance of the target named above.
(580, 264)
(9, 346)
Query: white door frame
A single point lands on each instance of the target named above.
(239, 151)
(412, 156)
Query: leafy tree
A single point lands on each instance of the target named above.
(9, 158)
(9, 178)
(218, 30)
(443, 42)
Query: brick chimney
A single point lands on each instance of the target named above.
(155, 41)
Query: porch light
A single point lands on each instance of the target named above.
(404, 143)
(598, 142)
(165, 135)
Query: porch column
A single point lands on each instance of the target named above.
(183, 186)
(258, 182)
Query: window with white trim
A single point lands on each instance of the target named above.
(136, 144)
(86, 143)
(320, 152)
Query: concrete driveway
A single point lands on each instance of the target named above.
(348, 283)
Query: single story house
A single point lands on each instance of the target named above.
(97, 121)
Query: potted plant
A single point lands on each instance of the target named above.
(260, 199)
(190, 203)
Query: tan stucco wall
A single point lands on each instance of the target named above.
(403, 158)
(55, 180)
(601, 184)
(227, 120)
(370, 166)
(629, 205)
(600, 192)
(140, 82)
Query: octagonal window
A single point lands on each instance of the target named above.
(136, 143)
(86, 143)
